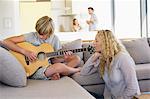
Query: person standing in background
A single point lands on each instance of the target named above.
(92, 22)
(75, 25)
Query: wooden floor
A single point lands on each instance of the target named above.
(145, 96)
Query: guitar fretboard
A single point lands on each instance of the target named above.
(61, 52)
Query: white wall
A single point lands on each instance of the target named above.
(70, 36)
(30, 12)
(9, 18)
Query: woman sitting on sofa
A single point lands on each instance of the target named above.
(115, 66)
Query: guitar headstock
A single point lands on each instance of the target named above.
(91, 49)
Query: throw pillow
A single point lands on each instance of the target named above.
(73, 45)
(11, 71)
(87, 55)
(138, 49)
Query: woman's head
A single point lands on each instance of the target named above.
(75, 21)
(90, 10)
(108, 46)
(45, 27)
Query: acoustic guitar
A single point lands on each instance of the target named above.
(44, 53)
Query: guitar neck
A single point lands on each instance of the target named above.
(61, 52)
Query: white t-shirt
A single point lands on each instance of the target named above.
(33, 38)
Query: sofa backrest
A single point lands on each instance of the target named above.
(138, 48)
(86, 55)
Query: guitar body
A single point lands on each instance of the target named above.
(31, 67)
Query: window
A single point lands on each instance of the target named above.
(148, 16)
(127, 18)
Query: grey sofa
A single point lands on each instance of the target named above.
(139, 50)
(69, 87)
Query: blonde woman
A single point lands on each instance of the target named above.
(115, 66)
(45, 34)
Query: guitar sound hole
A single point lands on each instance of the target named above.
(41, 56)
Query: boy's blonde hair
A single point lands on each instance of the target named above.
(109, 48)
(45, 26)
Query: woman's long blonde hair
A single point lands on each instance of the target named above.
(109, 48)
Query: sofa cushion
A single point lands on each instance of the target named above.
(86, 55)
(92, 79)
(138, 49)
(143, 71)
(73, 45)
(65, 88)
(11, 71)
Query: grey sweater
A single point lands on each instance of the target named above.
(122, 82)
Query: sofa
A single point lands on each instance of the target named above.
(75, 86)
